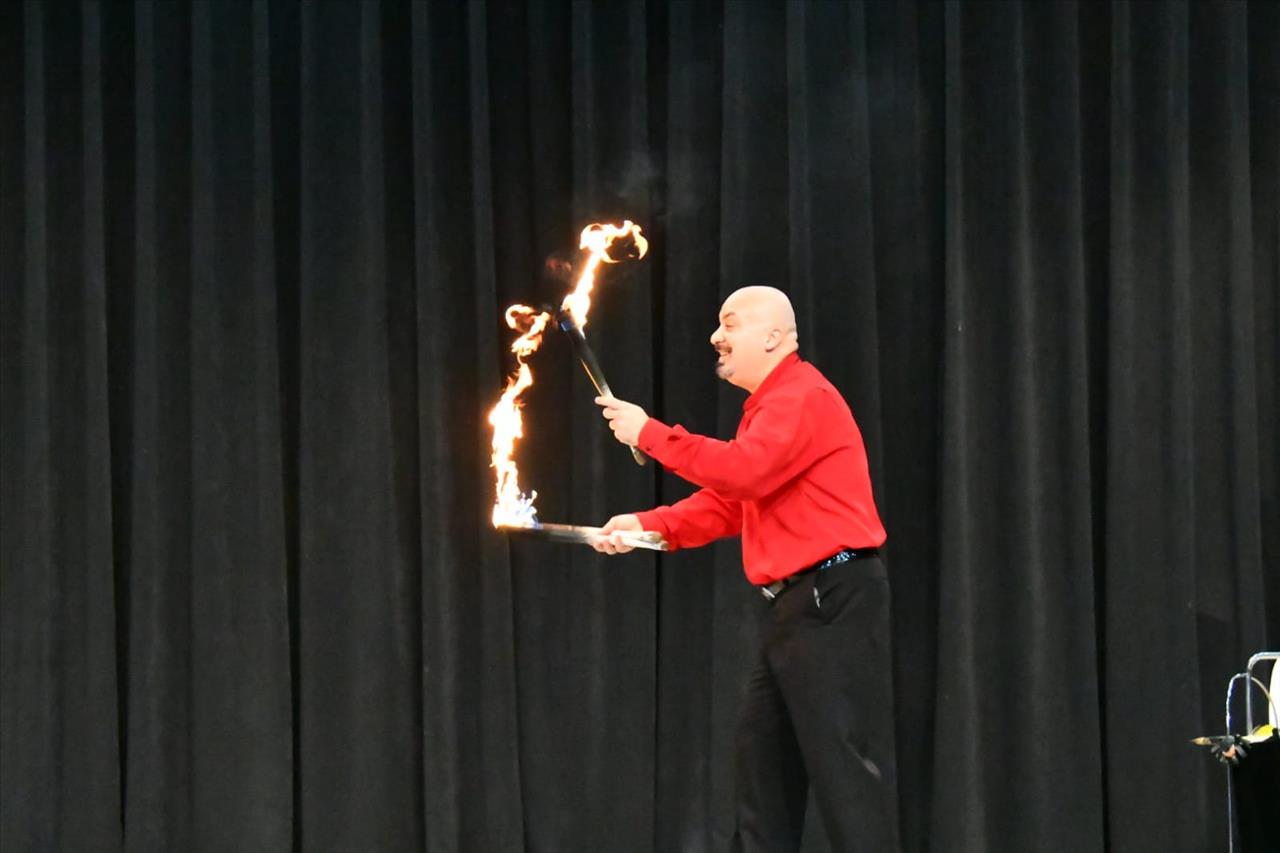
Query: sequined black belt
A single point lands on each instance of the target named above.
(773, 590)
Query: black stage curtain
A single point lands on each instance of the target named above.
(253, 257)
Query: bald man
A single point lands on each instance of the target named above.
(793, 483)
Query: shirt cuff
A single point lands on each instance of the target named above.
(652, 434)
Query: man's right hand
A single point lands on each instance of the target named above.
(608, 543)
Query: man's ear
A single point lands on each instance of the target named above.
(771, 342)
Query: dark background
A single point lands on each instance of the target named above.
(253, 259)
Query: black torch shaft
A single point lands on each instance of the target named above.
(587, 357)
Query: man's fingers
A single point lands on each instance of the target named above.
(603, 542)
(611, 546)
(615, 539)
(611, 407)
(612, 533)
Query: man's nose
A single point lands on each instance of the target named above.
(715, 337)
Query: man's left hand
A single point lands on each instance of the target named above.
(625, 419)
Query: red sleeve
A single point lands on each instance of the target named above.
(776, 446)
(694, 521)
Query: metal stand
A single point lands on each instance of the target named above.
(1250, 681)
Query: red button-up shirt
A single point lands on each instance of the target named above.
(794, 481)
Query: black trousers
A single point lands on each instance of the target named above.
(819, 711)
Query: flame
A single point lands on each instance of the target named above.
(514, 508)
(597, 239)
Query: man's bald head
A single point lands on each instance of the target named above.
(757, 331)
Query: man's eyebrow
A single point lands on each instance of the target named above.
(727, 315)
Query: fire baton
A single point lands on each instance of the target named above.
(589, 363)
(578, 534)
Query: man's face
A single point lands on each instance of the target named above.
(740, 342)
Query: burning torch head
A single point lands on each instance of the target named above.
(629, 246)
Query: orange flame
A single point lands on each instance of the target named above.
(514, 508)
(597, 239)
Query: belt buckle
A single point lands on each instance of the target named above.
(772, 590)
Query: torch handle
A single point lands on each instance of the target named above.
(587, 357)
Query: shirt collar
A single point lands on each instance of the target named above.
(787, 365)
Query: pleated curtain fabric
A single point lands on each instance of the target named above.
(253, 263)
